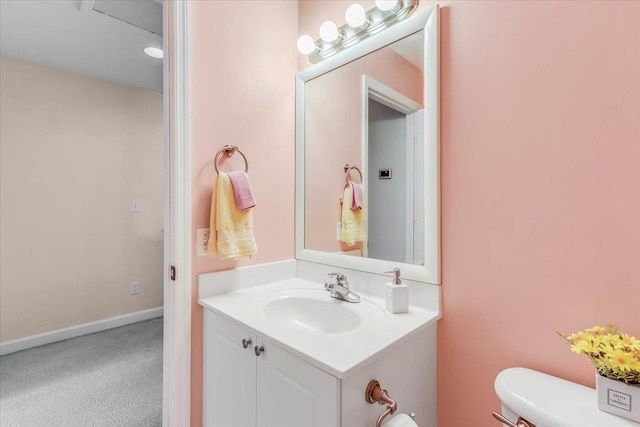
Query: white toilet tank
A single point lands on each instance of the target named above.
(548, 401)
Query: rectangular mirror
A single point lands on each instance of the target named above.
(368, 131)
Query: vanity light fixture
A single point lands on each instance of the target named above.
(360, 25)
(385, 5)
(154, 52)
(306, 45)
(356, 16)
(329, 32)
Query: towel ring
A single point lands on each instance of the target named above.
(229, 150)
(348, 168)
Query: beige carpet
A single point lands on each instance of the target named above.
(111, 378)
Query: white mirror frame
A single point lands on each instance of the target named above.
(430, 272)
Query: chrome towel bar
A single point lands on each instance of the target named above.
(230, 150)
(348, 168)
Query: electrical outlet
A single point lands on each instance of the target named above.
(135, 288)
(202, 242)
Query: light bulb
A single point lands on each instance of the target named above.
(356, 16)
(329, 32)
(154, 52)
(386, 5)
(306, 45)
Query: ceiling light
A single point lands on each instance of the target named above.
(356, 16)
(329, 32)
(154, 52)
(306, 45)
(386, 5)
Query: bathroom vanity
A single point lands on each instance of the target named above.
(287, 354)
(279, 351)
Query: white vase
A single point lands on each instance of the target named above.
(618, 398)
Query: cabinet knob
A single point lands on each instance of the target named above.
(246, 342)
(258, 350)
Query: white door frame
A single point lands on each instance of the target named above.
(373, 89)
(176, 395)
(410, 184)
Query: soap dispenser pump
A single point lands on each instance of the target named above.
(396, 294)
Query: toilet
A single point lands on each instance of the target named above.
(547, 401)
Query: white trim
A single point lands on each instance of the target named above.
(222, 282)
(20, 344)
(176, 408)
(430, 272)
(383, 94)
(364, 124)
(432, 254)
(410, 217)
(300, 158)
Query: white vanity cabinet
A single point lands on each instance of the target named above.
(309, 374)
(229, 387)
(272, 389)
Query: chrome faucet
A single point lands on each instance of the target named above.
(340, 289)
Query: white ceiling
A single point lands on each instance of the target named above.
(71, 36)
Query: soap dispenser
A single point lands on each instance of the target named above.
(397, 294)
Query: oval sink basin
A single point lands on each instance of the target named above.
(308, 314)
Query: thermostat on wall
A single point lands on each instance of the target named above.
(384, 174)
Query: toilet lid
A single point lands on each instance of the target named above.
(549, 401)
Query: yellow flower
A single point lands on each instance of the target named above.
(608, 343)
(615, 355)
(575, 337)
(584, 346)
(598, 330)
(632, 343)
(622, 361)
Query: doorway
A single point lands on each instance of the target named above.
(393, 140)
(83, 166)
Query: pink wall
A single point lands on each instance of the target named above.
(540, 188)
(333, 122)
(243, 65)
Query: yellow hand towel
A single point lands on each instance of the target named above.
(231, 230)
(354, 222)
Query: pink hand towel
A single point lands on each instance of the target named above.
(356, 196)
(241, 190)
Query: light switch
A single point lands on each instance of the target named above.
(135, 206)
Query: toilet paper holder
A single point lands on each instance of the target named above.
(375, 393)
(521, 421)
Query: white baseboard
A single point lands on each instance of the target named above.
(76, 331)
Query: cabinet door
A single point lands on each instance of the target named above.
(229, 388)
(293, 393)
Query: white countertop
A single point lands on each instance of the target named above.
(336, 353)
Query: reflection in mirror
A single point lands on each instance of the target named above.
(367, 113)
